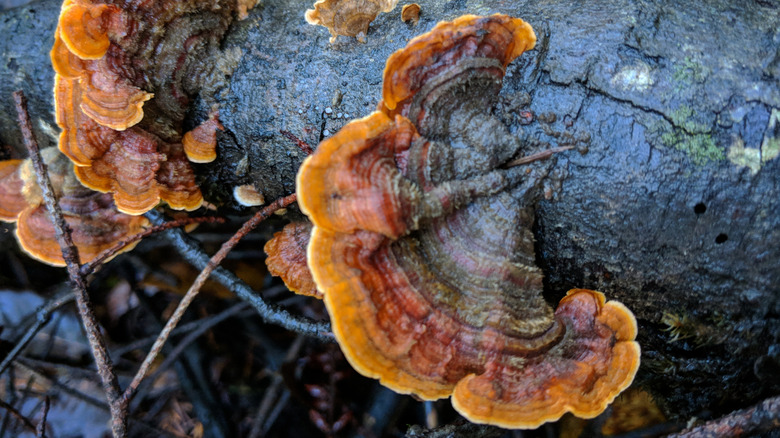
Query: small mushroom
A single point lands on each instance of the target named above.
(423, 250)
(347, 17)
(83, 27)
(248, 196)
(411, 14)
(200, 144)
(287, 258)
(94, 222)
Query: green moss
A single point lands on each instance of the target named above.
(688, 72)
(699, 147)
(689, 136)
(683, 118)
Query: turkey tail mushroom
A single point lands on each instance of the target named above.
(424, 254)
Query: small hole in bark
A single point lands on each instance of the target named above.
(699, 208)
(720, 238)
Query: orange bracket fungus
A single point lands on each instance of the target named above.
(11, 200)
(422, 245)
(94, 222)
(287, 258)
(200, 144)
(116, 61)
(347, 17)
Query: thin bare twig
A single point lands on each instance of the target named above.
(191, 251)
(259, 426)
(537, 156)
(42, 318)
(71, 257)
(18, 415)
(203, 327)
(302, 145)
(88, 268)
(278, 407)
(458, 428)
(195, 288)
(41, 430)
(184, 328)
(88, 399)
(755, 420)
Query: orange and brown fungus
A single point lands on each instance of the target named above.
(347, 17)
(95, 223)
(12, 201)
(422, 245)
(481, 47)
(118, 60)
(138, 167)
(287, 258)
(200, 144)
(411, 13)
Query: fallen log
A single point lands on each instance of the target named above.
(669, 204)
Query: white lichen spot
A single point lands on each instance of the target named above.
(635, 77)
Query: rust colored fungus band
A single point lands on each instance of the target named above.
(498, 37)
(423, 250)
(117, 60)
(12, 201)
(95, 223)
(287, 258)
(347, 17)
(200, 144)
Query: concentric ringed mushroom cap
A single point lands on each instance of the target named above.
(347, 17)
(12, 201)
(200, 144)
(424, 253)
(94, 222)
(375, 201)
(497, 37)
(287, 258)
(584, 387)
(84, 28)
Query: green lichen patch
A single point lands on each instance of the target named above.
(699, 147)
(687, 135)
(687, 72)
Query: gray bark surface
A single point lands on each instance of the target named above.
(671, 205)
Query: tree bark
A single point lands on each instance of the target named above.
(671, 205)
